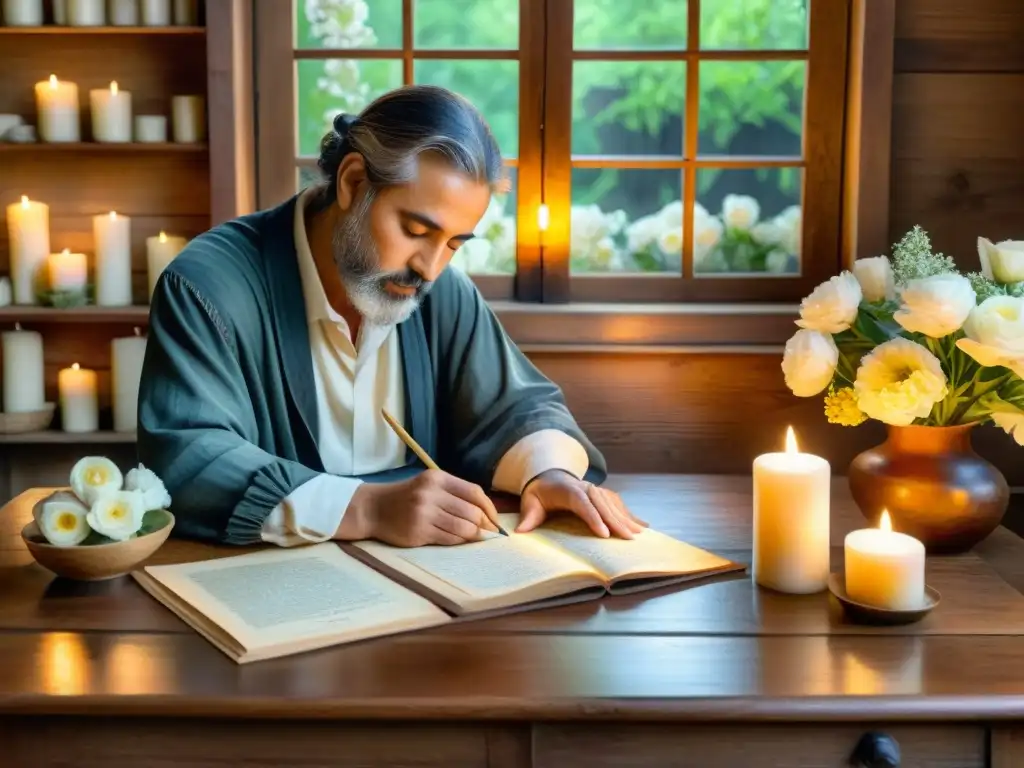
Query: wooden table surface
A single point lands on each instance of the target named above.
(723, 651)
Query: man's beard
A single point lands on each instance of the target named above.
(358, 262)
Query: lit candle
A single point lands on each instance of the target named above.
(186, 13)
(28, 227)
(151, 129)
(126, 356)
(111, 110)
(188, 119)
(79, 402)
(156, 13)
(86, 13)
(23, 13)
(112, 234)
(791, 520)
(124, 13)
(57, 105)
(68, 271)
(884, 569)
(24, 390)
(160, 251)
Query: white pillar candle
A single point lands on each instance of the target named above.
(111, 110)
(188, 118)
(112, 235)
(24, 389)
(23, 13)
(186, 13)
(86, 13)
(68, 271)
(156, 13)
(884, 569)
(124, 13)
(28, 228)
(79, 401)
(126, 356)
(60, 11)
(5, 291)
(151, 129)
(57, 107)
(160, 250)
(791, 520)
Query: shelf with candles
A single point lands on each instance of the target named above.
(136, 314)
(57, 436)
(133, 147)
(54, 29)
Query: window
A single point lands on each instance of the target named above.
(660, 150)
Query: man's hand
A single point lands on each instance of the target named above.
(599, 508)
(431, 508)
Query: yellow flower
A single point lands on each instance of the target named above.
(841, 408)
(899, 381)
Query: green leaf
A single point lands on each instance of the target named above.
(153, 521)
(95, 538)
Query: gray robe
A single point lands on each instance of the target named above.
(227, 402)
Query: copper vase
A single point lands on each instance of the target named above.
(934, 485)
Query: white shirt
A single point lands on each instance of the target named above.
(353, 383)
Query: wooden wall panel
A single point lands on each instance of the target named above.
(959, 35)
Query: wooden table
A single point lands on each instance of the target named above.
(722, 674)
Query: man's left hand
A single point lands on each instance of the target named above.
(599, 508)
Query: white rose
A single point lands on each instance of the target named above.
(1003, 261)
(995, 333)
(768, 232)
(740, 211)
(935, 306)
(809, 362)
(642, 233)
(832, 306)
(61, 518)
(117, 515)
(94, 476)
(671, 241)
(707, 232)
(777, 262)
(154, 494)
(875, 278)
(1012, 424)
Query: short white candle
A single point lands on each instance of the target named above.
(57, 105)
(156, 13)
(186, 13)
(79, 401)
(86, 13)
(160, 251)
(23, 13)
(188, 118)
(112, 235)
(884, 569)
(68, 271)
(124, 13)
(151, 129)
(126, 356)
(111, 110)
(24, 388)
(28, 228)
(791, 520)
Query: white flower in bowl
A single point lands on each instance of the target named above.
(61, 518)
(117, 515)
(154, 494)
(95, 476)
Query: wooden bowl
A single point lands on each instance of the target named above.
(95, 562)
(29, 421)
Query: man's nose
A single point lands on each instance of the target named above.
(429, 262)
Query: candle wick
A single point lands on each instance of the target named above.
(17, 326)
(137, 333)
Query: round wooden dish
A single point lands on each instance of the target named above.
(869, 614)
(95, 562)
(29, 421)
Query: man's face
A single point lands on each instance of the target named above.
(389, 247)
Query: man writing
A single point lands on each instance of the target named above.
(276, 339)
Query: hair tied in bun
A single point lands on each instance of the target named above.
(343, 123)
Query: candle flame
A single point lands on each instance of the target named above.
(53, 81)
(543, 217)
(791, 446)
(113, 87)
(24, 202)
(885, 523)
(17, 326)
(66, 252)
(74, 366)
(113, 215)
(163, 237)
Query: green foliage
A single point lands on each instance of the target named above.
(912, 258)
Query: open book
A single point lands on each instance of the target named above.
(277, 602)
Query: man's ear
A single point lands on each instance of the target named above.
(351, 174)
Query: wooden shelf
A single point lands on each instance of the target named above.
(56, 436)
(96, 146)
(14, 313)
(54, 29)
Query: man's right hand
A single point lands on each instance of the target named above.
(431, 508)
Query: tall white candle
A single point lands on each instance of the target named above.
(124, 13)
(24, 388)
(79, 401)
(188, 118)
(186, 13)
(156, 13)
(86, 13)
(126, 357)
(28, 227)
(791, 520)
(23, 13)
(60, 12)
(112, 235)
(68, 271)
(160, 251)
(150, 129)
(57, 105)
(111, 110)
(884, 569)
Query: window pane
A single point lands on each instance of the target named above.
(329, 86)
(626, 221)
(492, 86)
(754, 24)
(751, 107)
(476, 24)
(628, 107)
(747, 221)
(493, 250)
(623, 24)
(348, 23)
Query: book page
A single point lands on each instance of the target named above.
(278, 596)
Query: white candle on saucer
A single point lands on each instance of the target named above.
(79, 401)
(28, 228)
(112, 235)
(111, 110)
(160, 251)
(884, 568)
(57, 107)
(23, 13)
(188, 119)
(151, 129)
(23, 374)
(68, 271)
(86, 13)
